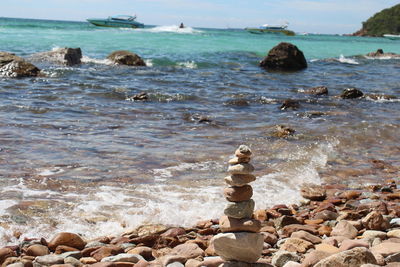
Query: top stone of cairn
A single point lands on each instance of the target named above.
(243, 152)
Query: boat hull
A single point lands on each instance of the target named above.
(115, 24)
(392, 36)
(275, 31)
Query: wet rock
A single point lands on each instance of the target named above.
(284, 57)
(139, 97)
(280, 258)
(313, 192)
(290, 104)
(65, 55)
(319, 90)
(240, 102)
(351, 93)
(123, 57)
(229, 224)
(344, 228)
(66, 239)
(16, 67)
(283, 131)
(379, 54)
(348, 258)
(241, 246)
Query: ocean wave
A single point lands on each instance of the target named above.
(343, 59)
(187, 64)
(86, 59)
(173, 29)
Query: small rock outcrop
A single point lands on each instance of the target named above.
(240, 240)
(284, 57)
(350, 93)
(380, 54)
(123, 57)
(16, 67)
(65, 56)
(319, 90)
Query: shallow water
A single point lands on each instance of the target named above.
(78, 154)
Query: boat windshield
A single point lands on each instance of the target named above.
(124, 17)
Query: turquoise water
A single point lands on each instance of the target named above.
(78, 154)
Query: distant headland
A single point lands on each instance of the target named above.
(386, 21)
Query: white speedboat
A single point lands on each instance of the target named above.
(392, 36)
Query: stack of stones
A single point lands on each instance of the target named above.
(240, 239)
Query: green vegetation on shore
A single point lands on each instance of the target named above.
(386, 21)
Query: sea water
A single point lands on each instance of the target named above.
(78, 154)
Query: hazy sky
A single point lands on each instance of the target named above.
(315, 16)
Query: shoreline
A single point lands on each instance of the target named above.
(369, 225)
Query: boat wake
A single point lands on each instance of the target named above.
(174, 29)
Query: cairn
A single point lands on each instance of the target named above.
(240, 239)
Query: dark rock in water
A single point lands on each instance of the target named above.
(289, 103)
(238, 102)
(65, 56)
(16, 67)
(350, 93)
(319, 90)
(123, 57)
(196, 118)
(283, 131)
(286, 57)
(140, 97)
(379, 53)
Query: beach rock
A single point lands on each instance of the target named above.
(49, 260)
(313, 192)
(109, 250)
(37, 250)
(289, 229)
(344, 228)
(394, 233)
(313, 257)
(145, 252)
(240, 210)
(88, 260)
(188, 250)
(243, 151)
(123, 57)
(281, 257)
(229, 224)
(371, 234)
(240, 246)
(375, 221)
(16, 67)
(244, 264)
(6, 253)
(123, 257)
(350, 93)
(307, 236)
(328, 248)
(66, 239)
(319, 90)
(241, 168)
(72, 261)
(292, 264)
(393, 258)
(285, 57)
(211, 262)
(270, 238)
(17, 264)
(239, 179)
(238, 193)
(283, 131)
(65, 55)
(296, 245)
(61, 249)
(348, 258)
(386, 249)
(326, 215)
(350, 244)
(285, 220)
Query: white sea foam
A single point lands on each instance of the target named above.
(346, 60)
(187, 64)
(174, 29)
(86, 59)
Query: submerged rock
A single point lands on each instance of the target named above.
(123, 57)
(286, 57)
(350, 93)
(65, 56)
(379, 54)
(16, 67)
(319, 90)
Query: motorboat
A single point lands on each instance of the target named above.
(119, 21)
(266, 28)
(392, 36)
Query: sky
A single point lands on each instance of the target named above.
(312, 16)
